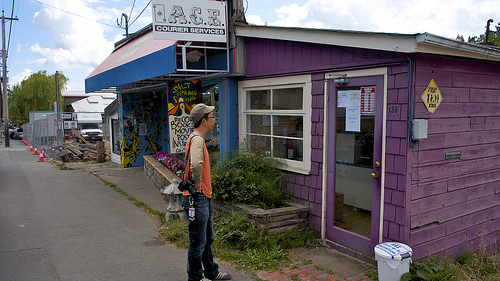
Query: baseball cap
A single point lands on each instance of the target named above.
(199, 110)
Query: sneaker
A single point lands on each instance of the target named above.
(223, 276)
(205, 279)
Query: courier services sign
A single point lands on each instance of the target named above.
(190, 20)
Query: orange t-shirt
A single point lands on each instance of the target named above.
(198, 164)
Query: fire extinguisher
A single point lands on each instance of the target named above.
(289, 148)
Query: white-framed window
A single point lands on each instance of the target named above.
(275, 119)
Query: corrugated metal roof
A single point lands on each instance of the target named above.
(93, 104)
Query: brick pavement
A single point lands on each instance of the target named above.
(307, 272)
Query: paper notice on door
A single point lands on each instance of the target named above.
(353, 111)
(342, 98)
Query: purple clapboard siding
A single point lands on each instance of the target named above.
(453, 201)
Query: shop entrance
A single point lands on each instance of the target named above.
(355, 162)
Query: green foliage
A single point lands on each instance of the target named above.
(241, 243)
(468, 266)
(250, 178)
(35, 93)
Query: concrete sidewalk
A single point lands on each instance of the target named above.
(317, 264)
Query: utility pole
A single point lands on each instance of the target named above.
(4, 82)
(56, 129)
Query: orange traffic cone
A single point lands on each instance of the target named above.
(31, 147)
(36, 150)
(25, 142)
(40, 159)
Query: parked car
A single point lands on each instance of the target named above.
(17, 133)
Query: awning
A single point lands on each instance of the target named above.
(139, 59)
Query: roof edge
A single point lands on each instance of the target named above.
(393, 42)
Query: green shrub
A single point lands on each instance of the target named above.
(250, 178)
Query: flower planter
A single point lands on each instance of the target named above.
(158, 173)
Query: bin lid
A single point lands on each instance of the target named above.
(393, 250)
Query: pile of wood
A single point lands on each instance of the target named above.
(74, 151)
(82, 150)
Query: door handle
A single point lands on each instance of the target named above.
(377, 164)
(375, 175)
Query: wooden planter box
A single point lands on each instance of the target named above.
(278, 219)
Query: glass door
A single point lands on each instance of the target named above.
(354, 158)
(354, 162)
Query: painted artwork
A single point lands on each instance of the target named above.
(183, 95)
(141, 129)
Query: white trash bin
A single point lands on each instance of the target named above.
(393, 260)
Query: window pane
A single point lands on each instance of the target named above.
(259, 144)
(259, 124)
(288, 149)
(286, 99)
(259, 99)
(288, 126)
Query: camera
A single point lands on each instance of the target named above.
(189, 186)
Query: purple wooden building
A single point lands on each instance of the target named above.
(350, 112)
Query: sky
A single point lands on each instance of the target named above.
(74, 36)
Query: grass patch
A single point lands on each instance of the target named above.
(468, 266)
(242, 244)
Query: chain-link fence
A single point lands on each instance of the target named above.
(53, 132)
(45, 132)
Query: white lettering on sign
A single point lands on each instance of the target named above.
(190, 20)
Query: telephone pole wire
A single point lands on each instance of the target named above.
(4, 83)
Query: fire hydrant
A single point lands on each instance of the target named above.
(173, 196)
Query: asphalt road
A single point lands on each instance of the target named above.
(68, 225)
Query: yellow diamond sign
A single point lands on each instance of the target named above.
(432, 96)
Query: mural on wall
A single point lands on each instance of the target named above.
(183, 95)
(141, 131)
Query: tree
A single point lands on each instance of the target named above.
(35, 93)
(493, 37)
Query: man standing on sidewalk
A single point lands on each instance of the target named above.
(201, 232)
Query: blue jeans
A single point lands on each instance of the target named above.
(201, 238)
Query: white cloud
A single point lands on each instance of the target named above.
(20, 77)
(441, 17)
(76, 41)
(254, 19)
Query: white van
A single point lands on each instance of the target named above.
(89, 126)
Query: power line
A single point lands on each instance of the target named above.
(10, 26)
(141, 13)
(133, 5)
(75, 14)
